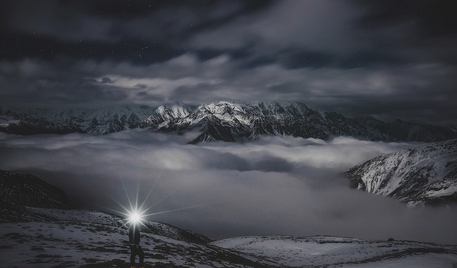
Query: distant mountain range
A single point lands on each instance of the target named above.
(423, 175)
(221, 121)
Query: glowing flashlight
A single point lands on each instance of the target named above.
(135, 217)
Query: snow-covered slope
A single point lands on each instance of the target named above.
(219, 121)
(328, 251)
(426, 174)
(77, 238)
(48, 237)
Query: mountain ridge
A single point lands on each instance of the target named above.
(222, 121)
(421, 175)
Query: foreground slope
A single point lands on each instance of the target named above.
(48, 237)
(426, 174)
(75, 238)
(329, 251)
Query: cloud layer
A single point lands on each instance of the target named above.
(418, 93)
(388, 60)
(273, 186)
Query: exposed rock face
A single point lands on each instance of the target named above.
(427, 174)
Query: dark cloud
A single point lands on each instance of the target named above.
(112, 21)
(416, 30)
(431, 18)
(47, 84)
(418, 93)
(274, 186)
(140, 52)
(386, 59)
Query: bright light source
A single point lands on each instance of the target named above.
(135, 217)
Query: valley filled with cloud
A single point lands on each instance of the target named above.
(270, 186)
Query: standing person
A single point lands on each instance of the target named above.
(135, 249)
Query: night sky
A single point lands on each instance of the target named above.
(388, 59)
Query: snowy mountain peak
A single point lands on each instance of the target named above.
(174, 110)
(224, 121)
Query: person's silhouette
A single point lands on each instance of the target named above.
(135, 249)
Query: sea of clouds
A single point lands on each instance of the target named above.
(270, 186)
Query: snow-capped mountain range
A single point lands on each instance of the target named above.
(46, 237)
(219, 121)
(426, 174)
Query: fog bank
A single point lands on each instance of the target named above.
(271, 186)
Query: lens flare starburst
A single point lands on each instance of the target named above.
(135, 217)
(138, 213)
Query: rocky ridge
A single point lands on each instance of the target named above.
(422, 175)
(222, 121)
